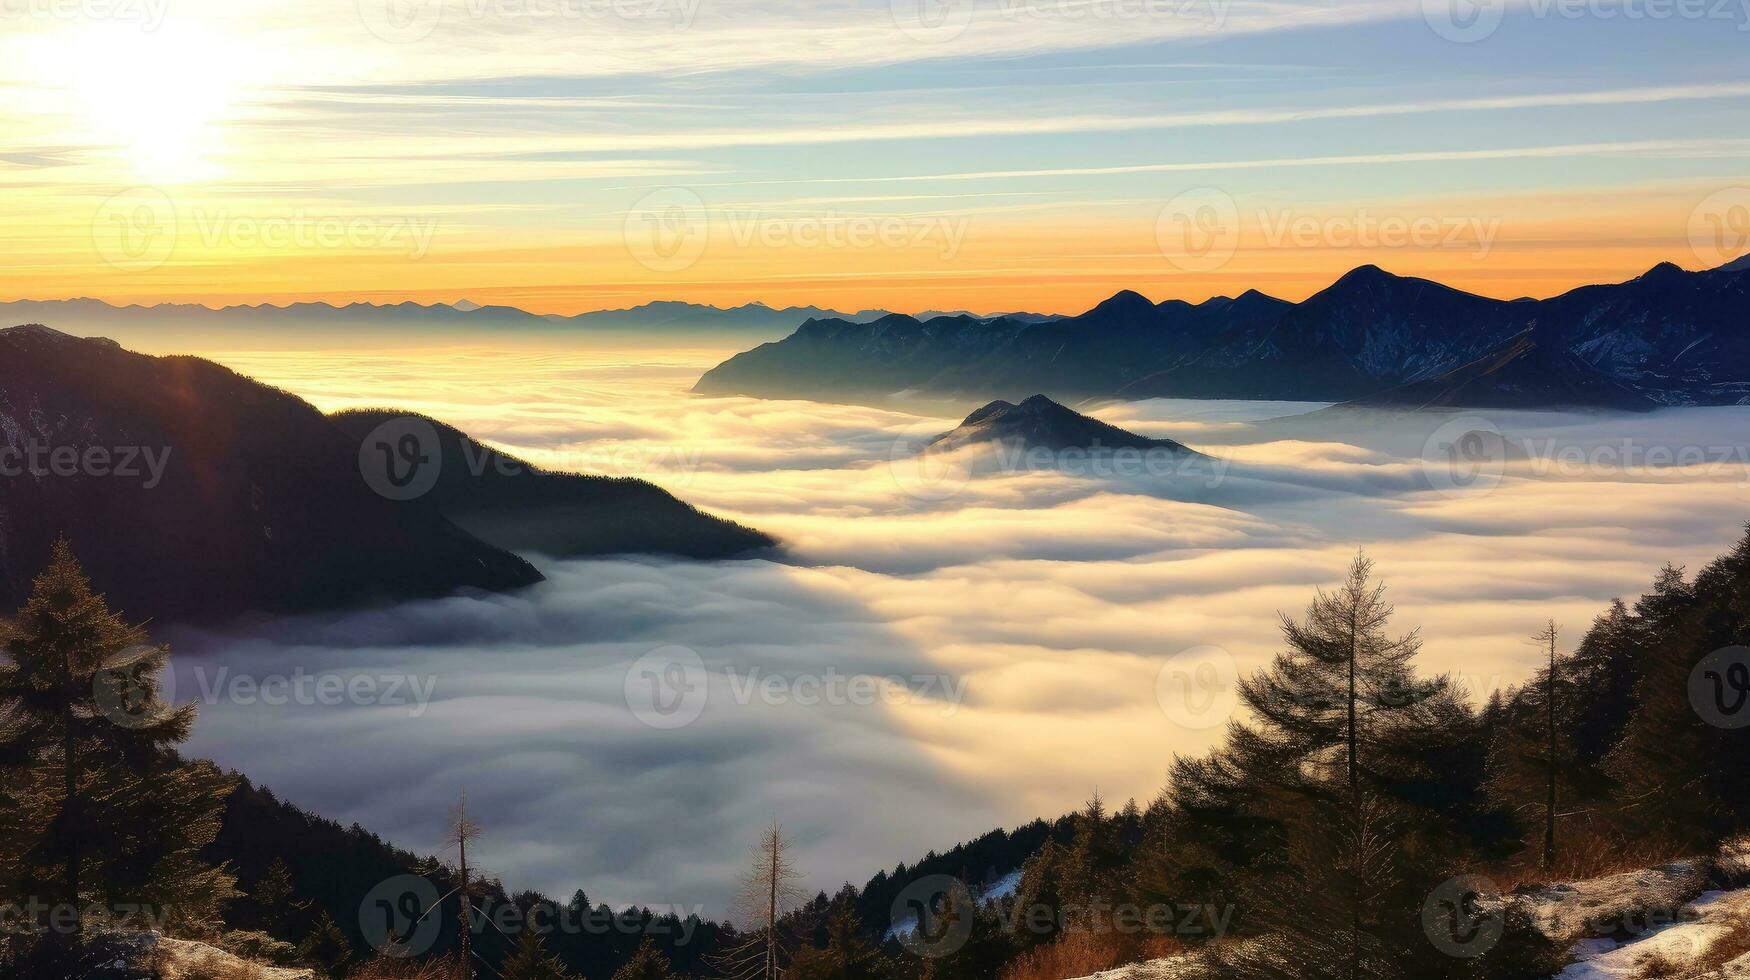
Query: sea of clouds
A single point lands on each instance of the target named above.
(939, 649)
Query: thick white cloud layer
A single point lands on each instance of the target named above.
(1055, 598)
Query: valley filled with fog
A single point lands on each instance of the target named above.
(1012, 617)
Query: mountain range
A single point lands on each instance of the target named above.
(1667, 337)
(665, 319)
(193, 493)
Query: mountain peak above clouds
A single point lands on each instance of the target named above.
(1039, 422)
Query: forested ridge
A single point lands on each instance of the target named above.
(1322, 838)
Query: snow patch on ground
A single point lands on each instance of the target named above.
(1004, 887)
(1631, 902)
(1172, 968)
(1671, 950)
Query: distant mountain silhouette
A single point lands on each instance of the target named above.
(963, 355)
(659, 318)
(1040, 422)
(667, 314)
(1668, 337)
(517, 506)
(193, 493)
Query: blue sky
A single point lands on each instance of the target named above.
(1020, 153)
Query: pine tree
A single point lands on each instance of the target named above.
(1094, 866)
(118, 819)
(531, 961)
(1326, 775)
(847, 955)
(1680, 773)
(1532, 768)
(273, 899)
(326, 949)
(648, 963)
(1603, 672)
(1036, 911)
(986, 949)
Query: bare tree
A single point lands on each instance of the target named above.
(1548, 635)
(769, 889)
(461, 830)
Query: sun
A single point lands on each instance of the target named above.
(158, 98)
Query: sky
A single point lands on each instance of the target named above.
(568, 155)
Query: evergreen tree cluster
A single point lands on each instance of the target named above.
(105, 827)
